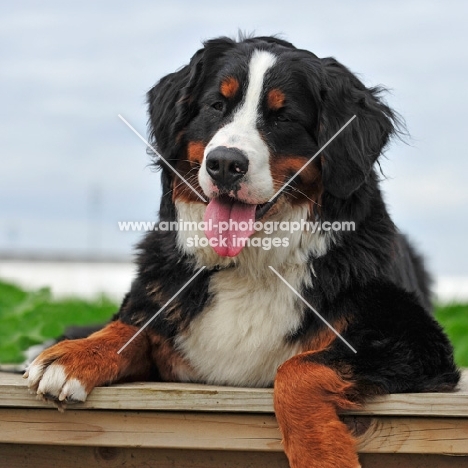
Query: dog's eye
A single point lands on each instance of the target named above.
(218, 106)
(282, 118)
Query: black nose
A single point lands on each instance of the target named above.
(226, 166)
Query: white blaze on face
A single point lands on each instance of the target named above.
(242, 133)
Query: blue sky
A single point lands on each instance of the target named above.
(70, 169)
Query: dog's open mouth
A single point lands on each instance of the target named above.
(229, 223)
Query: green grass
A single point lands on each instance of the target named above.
(454, 319)
(30, 317)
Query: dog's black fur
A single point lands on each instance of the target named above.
(369, 283)
(371, 276)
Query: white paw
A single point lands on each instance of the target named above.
(51, 383)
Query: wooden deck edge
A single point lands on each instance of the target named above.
(43, 456)
(150, 396)
(163, 416)
(217, 431)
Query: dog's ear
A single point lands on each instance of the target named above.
(348, 160)
(166, 103)
(173, 102)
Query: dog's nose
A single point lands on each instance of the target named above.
(226, 165)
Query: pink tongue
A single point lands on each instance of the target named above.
(226, 216)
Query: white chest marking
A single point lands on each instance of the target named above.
(240, 338)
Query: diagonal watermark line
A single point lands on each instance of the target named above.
(312, 158)
(313, 310)
(160, 156)
(161, 309)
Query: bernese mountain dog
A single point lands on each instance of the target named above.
(252, 132)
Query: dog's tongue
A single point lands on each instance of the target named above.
(225, 216)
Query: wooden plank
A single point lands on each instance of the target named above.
(211, 431)
(205, 398)
(160, 396)
(416, 404)
(415, 435)
(48, 456)
(214, 431)
(388, 460)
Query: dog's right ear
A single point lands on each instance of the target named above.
(173, 102)
(166, 100)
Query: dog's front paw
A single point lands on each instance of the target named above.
(52, 382)
(63, 373)
(68, 371)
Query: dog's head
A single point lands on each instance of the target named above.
(243, 118)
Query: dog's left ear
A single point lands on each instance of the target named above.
(348, 160)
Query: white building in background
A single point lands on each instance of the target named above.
(113, 278)
(82, 279)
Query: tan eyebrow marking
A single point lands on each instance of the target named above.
(276, 99)
(229, 87)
